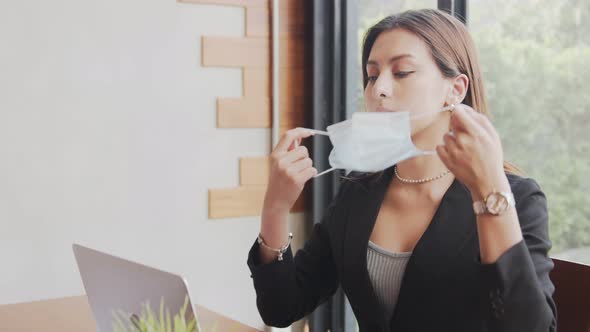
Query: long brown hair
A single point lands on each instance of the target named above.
(451, 46)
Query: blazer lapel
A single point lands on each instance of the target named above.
(451, 228)
(364, 207)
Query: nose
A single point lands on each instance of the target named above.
(382, 87)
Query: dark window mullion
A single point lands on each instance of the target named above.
(457, 8)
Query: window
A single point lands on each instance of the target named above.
(535, 56)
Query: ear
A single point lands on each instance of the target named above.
(458, 89)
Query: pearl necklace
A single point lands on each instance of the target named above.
(418, 181)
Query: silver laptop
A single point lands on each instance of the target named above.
(119, 288)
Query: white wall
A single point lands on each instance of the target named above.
(108, 139)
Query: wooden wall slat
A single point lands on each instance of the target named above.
(258, 22)
(250, 112)
(295, 6)
(254, 170)
(235, 52)
(242, 201)
(249, 52)
(236, 202)
(256, 81)
(239, 3)
(254, 112)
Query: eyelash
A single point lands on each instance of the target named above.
(399, 74)
(402, 74)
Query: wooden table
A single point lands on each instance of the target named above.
(73, 314)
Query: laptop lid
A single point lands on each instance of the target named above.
(114, 284)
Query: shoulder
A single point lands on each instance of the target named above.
(523, 187)
(531, 203)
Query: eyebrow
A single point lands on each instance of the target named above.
(391, 60)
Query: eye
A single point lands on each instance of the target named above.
(402, 74)
(372, 79)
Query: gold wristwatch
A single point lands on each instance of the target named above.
(495, 203)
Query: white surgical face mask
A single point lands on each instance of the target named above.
(373, 141)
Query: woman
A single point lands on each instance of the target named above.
(453, 241)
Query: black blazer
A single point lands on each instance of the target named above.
(445, 286)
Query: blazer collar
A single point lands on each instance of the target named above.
(443, 239)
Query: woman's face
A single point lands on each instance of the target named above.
(404, 77)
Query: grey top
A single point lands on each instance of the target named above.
(386, 270)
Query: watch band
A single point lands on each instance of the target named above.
(481, 207)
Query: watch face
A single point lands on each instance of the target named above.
(496, 203)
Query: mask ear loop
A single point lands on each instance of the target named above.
(325, 172)
(318, 132)
(452, 109)
(324, 133)
(449, 108)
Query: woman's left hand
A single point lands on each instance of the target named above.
(472, 151)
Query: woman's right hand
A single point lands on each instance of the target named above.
(290, 169)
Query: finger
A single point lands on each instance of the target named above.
(450, 145)
(462, 140)
(300, 165)
(295, 144)
(444, 156)
(449, 139)
(290, 136)
(306, 174)
(463, 121)
(293, 156)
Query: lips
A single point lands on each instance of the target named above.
(383, 109)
